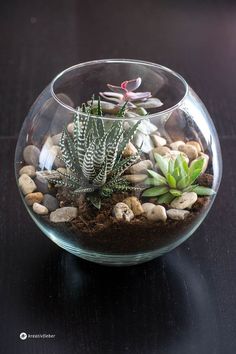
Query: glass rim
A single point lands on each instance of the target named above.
(129, 61)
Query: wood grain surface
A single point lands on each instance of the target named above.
(181, 303)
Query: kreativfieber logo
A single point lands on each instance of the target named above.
(23, 335)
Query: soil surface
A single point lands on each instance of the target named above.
(99, 231)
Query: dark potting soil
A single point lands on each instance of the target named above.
(99, 231)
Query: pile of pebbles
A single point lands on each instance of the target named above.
(40, 195)
(191, 151)
(131, 207)
(180, 207)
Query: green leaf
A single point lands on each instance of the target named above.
(121, 166)
(101, 178)
(196, 165)
(176, 174)
(194, 175)
(99, 108)
(165, 198)
(189, 188)
(155, 191)
(183, 183)
(95, 200)
(162, 163)
(154, 182)
(203, 190)
(171, 167)
(182, 165)
(171, 180)
(84, 190)
(121, 112)
(175, 192)
(141, 111)
(159, 179)
(88, 165)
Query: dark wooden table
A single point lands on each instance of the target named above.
(182, 303)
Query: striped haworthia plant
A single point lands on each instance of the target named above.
(93, 155)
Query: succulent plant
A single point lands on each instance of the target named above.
(135, 100)
(176, 178)
(93, 155)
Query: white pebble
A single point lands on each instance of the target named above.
(176, 144)
(177, 214)
(26, 184)
(186, 200)
(63, 214)
(147, 207)
(40, 209)
(28, 170)
(195, 144)
(121, 211)
(141, 166)
(158, 140)
(190, 151)
(157, 213)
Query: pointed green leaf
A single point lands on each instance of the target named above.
(189, 188)
(194, 175)
(154, 182)
(196, 165)
(162, 163)
(121, 112)
(165, 198)
(100, 179)
(121, 166)
(141, 111)
(203, 190)
(95, 200)
(176, 174)
(182, 165)
(171, 167)
(183, 183)
(99, 108)
(175, 192)
(159, 179)
(88, 165)
(84, 190)
(171, 180)
(155, 191)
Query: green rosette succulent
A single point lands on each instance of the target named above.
(175, 178)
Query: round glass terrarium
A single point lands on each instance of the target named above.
(118, 161)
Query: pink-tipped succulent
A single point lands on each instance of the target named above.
(124, 93)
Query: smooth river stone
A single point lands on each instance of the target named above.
(158, 213)
(177, 214)
(40, 209)
(26, 184)
(121, 211)
(134, 204)
(50, 202)
(31, 155)
(32, 198)
(28, 170)
(185, 201)
(140, 167)
(64, 214)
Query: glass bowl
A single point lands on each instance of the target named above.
(118, 161)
